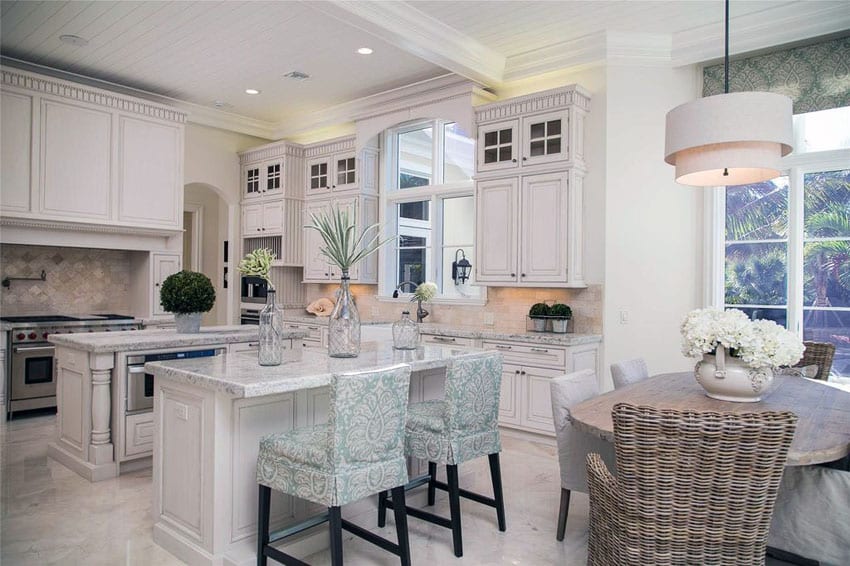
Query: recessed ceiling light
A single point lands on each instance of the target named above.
(251, 91)
(74, 40)
(297, 75)
(364, 51)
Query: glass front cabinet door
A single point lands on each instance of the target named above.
(273, 182)
(345, 172)
(497, 145)
(319, 176)
(251, 181)
(545, 138)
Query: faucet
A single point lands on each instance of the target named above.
(420, 312)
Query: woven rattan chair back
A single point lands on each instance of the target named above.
(820, 354)
(692, 487)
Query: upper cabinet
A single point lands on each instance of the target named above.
(529, 185)
(335, 167)
(263, 179)
(76, 155)
(272, 171)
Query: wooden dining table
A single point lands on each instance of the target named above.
(823, 411)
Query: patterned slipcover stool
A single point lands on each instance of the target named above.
(359, 452)
(462, 427)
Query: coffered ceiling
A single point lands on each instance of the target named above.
(201, 52)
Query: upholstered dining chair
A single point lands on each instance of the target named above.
(691, 488)
(460, 428)
(819, 354)
(574, 445)
(359, 452)
(628, 372)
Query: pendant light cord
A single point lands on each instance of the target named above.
(726, 55)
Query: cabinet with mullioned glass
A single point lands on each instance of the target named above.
(529, 141)
(262, 179)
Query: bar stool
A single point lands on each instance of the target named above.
(359, 452)
(462, 427)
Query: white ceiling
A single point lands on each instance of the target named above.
(200, 52)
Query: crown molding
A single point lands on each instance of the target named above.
(570, 95)
(271, 151)
(42, 224)
(194, 113)
(414, 31)
(411, 96)
(326, 147)
(785, 24)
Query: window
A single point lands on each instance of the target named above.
(430, 206)
(786, 242)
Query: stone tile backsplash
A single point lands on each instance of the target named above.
(79, 280)
(506, 306)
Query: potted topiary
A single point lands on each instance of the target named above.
(188, 295)
(561, 315)
(539, 313)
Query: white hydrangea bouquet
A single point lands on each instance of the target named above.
(758, 343)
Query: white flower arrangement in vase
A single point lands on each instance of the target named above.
(423, 293)
(754, 349)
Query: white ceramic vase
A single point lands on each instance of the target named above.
(727, 378)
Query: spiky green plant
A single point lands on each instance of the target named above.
(342, 247)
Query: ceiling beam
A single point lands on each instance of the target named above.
(407, 28)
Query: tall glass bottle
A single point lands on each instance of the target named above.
(344, 324)
(271, 330)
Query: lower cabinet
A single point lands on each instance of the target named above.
(138, 434)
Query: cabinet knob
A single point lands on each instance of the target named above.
(514, 160)
(265, 230)
(517, 372)
(525, 159)
(513, 274)
(157, 284)
(326, 274)
(258, 229)
(522, 372)
(334, 186)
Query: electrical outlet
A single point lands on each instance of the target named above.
(624, 316)
(182, 411)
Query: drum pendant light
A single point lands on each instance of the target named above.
(729, 139)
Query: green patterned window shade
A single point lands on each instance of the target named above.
(816, 77)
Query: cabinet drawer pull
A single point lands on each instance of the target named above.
(443, 339)
(502, 347)
(542, 350)
(312, 327)
(253, 344)
(294, 326)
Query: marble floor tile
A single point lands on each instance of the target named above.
(50, 515)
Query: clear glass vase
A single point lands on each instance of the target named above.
(344, 324)
(405, 333)
(271, 332)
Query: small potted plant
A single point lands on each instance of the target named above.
(188, 295)
(561, 315)
(539, 313)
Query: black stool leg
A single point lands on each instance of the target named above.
(263, 523)
(400, 513)
(496, 476)
(382, 509)
(562, 513)
(454, 506)
(432, 487)
(335, 527)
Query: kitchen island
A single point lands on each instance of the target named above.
(209, 416)
(97, 434)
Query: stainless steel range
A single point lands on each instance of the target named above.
(31, 381)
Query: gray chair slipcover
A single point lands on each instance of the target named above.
(628, 372)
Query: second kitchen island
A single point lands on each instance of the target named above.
(209, 416)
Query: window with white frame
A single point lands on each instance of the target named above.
(429, 206)
(786, 242)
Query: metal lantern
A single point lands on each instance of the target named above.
(461, 268)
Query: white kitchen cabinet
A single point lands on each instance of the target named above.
(522, 235)
(75, 161)
(262, 219)
(164, 264)
(15, 151)
(138, 435)
(251, 181)
(345, 172)
(98, 160)
(509, 399)
(497, 146)
(332, 173)
(319, 176)
(264, 179)
(150, 185)
(544, 138)
(536, 409)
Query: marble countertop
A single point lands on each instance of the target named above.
(138, 340)
(568, 339)
(241, 376)
(6, 326)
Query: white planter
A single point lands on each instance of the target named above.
(188, 323)
(560, 325)
(729, 379)
(539, 324)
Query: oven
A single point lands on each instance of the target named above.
(254, 289)
(139, 385)
(33, 375)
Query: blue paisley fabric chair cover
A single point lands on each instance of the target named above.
(465, 425)
(359, 452)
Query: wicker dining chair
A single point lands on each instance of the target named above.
(691, 488)
(820, 354)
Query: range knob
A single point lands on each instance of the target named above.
(20, 336)
(33, 336)
(44, 335)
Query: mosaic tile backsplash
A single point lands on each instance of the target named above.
(79, 280)
(506, 307)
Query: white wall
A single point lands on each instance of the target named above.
(653, 226)
(211, 159)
